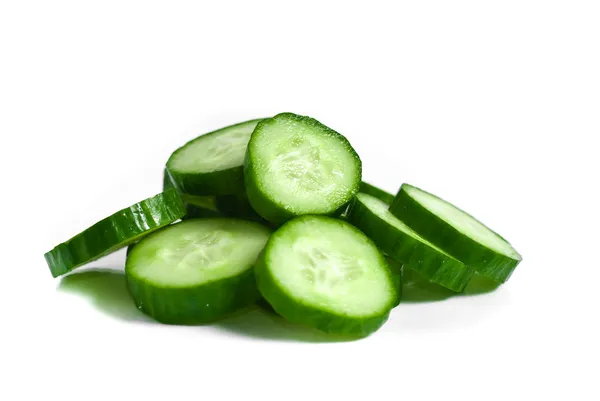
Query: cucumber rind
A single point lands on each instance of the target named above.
(297, 311)
(194, 302)
(116, 231)
(219, 182)
(274, 210)
(410, 250)
(197, 206)
(379, 193)
(488, 262)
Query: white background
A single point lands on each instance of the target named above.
(494, 106)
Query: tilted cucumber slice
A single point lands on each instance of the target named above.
(372, 190)
(323, 272)
(212, 164)
(197, 270)
(400, 242)
(196, 205)
(116, 231)
(295, 165)
(456, 232)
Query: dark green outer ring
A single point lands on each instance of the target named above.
(372, 190)
(194, 304)
(486, 261)
(116, 231)
(435, 265)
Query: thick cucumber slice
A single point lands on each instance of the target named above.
(197, 270)
(456, 232)
(295, 165)
(400, 242)
(197, 206)
(372, 190)
(323, 272)
(116, 231)
(212, 164)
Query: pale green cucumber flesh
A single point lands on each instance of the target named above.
(197, 270)
(456, 232)
(323, 272)
(295, 165)
(400, 242)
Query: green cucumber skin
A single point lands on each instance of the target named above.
(437, 267)
(269, 208)
(238, 206)
(194, 305)
(116, 231)
(223, 182)
(301, 313)
(486, 261)
(372, 190)
(192, 211)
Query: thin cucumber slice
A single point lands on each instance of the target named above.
(394, 237)
(116, 231)
(323, 272)
(295, 165)
(197, 206)
(212, 164)
(372, 190)
(197, 270)
(456, 232)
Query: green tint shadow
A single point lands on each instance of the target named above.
(417, 288)
(107, 291)
(263, 322)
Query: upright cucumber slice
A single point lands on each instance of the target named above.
(116, 231)
(400, 242)
(372, 190)
(323, 272)
(295, 165)
(197, 270)
(197, 206)
(212, 164)
(456, 232)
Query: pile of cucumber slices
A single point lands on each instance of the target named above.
(275, 210)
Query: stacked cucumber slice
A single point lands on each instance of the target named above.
(275, 211)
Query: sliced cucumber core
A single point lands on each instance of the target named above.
(296, 165)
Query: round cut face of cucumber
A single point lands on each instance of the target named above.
(197, 251)
(462, 221)
(301, 166)
(220, 150)
(329, 265)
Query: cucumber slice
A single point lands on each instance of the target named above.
(212, 164)
(400, 242)
(197, 270)
(295, 165)
(116, 231)
(372, 190)
(323, 272)
(197, 206)
(456, 232)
